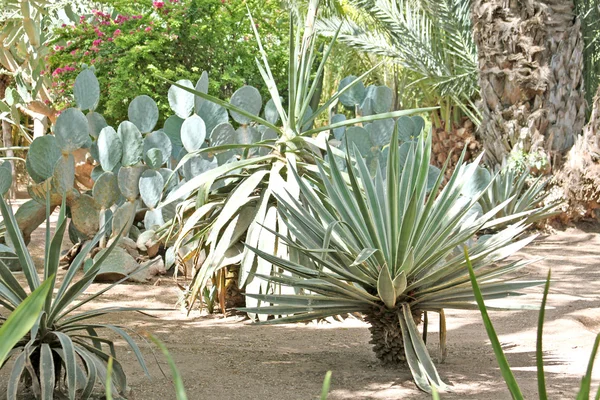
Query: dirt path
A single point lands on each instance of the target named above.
(231, 359)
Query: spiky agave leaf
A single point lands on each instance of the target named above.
(388, 247)
(61, 335)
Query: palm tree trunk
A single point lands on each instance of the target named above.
(7, 136)
(530, 72)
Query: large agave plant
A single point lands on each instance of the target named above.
(64, 348)
(216, 220)
(388, 248)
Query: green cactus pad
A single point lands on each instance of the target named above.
(212, 114)
(128, 179)
(353, 96)
(359, 137)
(181, 101)
(419, 125)
(432, 175)
(201, 86)
(222, 134)
(153, 219)
(123, 217)
(198, 165)
(307, 122)
(116, 266)
(64, 174)
(247, 98)
(110, 148)
(39, 191)
(42, 156)
(271, 113)
(71, 130)
(96, 123)
(86, 90)
(193, 133)
(407, 130)
(84, 214)
(133, 143)
(94, 151)
(143, 112)
(378, 99)
(266, 134)
(106, 190)
(151, 186)
(246, 135)
(153, 158)
(159, 140)
(381, 131)
(172, 129)
(338, 133)
(5, 177)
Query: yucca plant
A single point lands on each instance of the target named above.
(63, 348)
(509, 378)
(522, 193)
(220, 218)
(387, 248)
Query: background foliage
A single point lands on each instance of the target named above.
(134, 42)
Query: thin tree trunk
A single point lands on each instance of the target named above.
(7, 136)
(530, 65)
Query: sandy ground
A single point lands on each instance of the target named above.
(228, 358)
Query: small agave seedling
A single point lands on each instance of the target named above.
(387, 248)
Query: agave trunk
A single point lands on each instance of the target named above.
(386, 334)
(530, 66)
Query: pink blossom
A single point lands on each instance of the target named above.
(158, 3)
(116, 33)
(97, 42)
(73, 52)
(57, 71)
(110, 39)
(87, 53)
(148, 29)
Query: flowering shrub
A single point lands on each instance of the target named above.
(177, 39)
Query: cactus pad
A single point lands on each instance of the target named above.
(106, 190)
(359, 137)
(5, 177)
(193, 133)
(110, 148)
(86, 90)
(128, 179)
(338, 133)
(407, 130)
(247, 98)
(71, 130)
(381, 131)
(64, 174)
(153, 158)
(84, 214)
(153, 218)
(159, 140)
(43, 155)
(271, 113)
(172, 129)
(133, 143)
(181, 101)
(198, 165)
(201, 86)
(151, 186)
(212, 114)
(96, 123)
(353, 96)
(123, 218)
(143, 112)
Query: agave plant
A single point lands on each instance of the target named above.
(63, 347)
(388, 248)
(220, 218)
(522, 194)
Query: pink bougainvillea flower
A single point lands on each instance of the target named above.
(87, 53)
(73, 52)
(110, 39)
(116, 33)
(97, 42)
(158, 3)
(148, 29)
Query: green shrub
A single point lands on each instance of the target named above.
(178, 40)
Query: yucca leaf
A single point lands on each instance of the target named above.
(586, 382)
(70, 361)
(385, 288)
(539, 353)
(507, 374)
(15, 376)
(326, 384)
(22, 319)
(46, 369)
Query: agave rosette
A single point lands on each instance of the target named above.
(388, 248)
(62, 338)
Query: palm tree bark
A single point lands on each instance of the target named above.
(530, 64)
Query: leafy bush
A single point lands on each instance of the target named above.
(62, 339)
(176, 39)
(386, 248)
